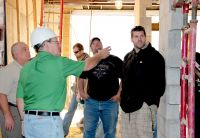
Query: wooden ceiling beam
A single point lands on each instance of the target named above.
(100, 4)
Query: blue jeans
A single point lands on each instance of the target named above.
(43, 126)
(155, 127)
(70, 114)
(107, 111)
(99, 130)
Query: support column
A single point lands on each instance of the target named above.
(66, 35)
(66, 49)
(171, 22)
(141, 18)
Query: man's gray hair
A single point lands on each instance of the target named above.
(15, 48)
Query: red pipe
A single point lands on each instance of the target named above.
(177, 4)
(42, 12)
(184, 69)
(61, 18)
(192, 59)
(184, 84)
(185, 8)
(191, 67)
(191, 86)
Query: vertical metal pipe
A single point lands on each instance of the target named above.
(61, 18)
(183, 85)
(27, 22)
(34, 13)
(184, 72)
(191, 81)
(47, 17)
(42, 13)
(18, 22)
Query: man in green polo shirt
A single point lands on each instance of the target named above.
(42, 84)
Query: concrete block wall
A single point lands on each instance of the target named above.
(170, 48)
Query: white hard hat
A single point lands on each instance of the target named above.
(39, 35)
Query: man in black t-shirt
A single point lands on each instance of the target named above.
(101, 99)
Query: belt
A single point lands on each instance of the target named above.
(42, 113)
(11, 104)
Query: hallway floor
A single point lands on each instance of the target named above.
(75, 132)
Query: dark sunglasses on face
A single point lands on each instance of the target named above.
(75, 52)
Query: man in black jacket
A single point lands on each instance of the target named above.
(143, 83)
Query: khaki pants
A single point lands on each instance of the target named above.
(138, 124)
(17, 131)
(0, 133)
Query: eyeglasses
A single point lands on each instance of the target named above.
(57, 42)
(75, 52)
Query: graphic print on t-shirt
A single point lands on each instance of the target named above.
(103, 69)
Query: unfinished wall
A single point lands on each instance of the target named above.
(170, 47)
(24, 15)
(52, 20)
(21, 17)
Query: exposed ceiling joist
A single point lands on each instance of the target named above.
(100, 4)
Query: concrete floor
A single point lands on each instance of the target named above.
(76, 132)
